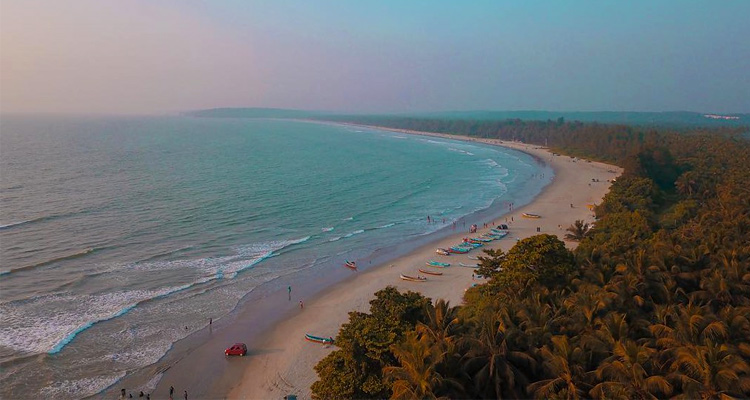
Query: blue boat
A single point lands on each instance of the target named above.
(438, 264)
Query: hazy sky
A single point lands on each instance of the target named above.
(150, 56)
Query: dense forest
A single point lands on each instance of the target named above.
(653, 303)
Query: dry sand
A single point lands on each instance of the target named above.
(283, 361)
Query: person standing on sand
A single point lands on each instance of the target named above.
(301, 305)
(171, 392)
(186, 395)
(290, 292)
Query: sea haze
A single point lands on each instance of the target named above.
(118, 233)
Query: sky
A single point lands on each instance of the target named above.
(162, 57)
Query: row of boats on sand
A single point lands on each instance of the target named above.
(464, 247)
(470, 244)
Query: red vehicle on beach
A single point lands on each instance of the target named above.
(237, 349)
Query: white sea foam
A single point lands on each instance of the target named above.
(327, 229)
(357, 232)
(80, 388)
(48, 323)
(468, 153)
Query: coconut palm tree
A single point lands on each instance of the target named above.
(496, 370)
(578, 231)
(441, 322)
(563, 365)
(626, 372)
(415, 376)
(711, 370)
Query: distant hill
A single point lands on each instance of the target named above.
(679, 118)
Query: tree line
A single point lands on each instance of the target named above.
(653, 303)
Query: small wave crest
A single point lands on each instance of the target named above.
(19, 223)
(327, 229)
(51, 261)
(357, 232)
(468, 153)
(386, 226)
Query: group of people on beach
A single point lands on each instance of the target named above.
(147, 396)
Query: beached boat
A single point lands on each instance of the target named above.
(459, 250)
(426, 271)
(318, 339)
(442, 252)
(412, 278)
(473, 258)
(438, 264)
(351, 264)
(530, 215)
(482, 239)
(469, 265)
(470, 244)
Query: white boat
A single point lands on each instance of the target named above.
(413, 278)
(469, 265)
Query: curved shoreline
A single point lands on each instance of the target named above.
(282, 362)
(262, 310)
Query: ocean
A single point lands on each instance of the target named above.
(120, 236)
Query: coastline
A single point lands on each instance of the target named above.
(281, 362)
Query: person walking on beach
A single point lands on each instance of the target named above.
(186, 395)
(301, 304)
(290, 292)
(171, 392)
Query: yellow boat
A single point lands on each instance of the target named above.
(530, 215)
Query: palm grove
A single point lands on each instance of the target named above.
(653, 303)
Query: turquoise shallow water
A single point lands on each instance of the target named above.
(115, 233)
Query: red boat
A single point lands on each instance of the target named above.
(350, 264)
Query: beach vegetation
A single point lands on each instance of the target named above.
(653, 303)
(578, 231)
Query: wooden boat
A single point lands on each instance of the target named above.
(530, 215)
(425, 271)
(318, 339)
(351, 264)
(413, 278)
(438, 264)
(469, 265)
(443, 252)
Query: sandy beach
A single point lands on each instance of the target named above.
(282, 361)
